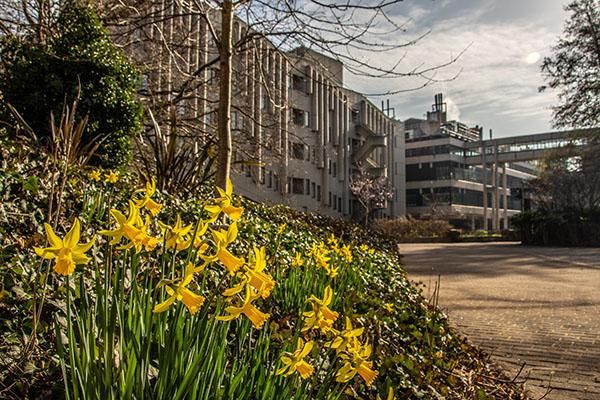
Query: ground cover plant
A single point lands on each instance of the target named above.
(126, 292)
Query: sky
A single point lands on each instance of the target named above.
(504, 43)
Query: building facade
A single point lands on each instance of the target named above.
(299, 136)
(442, 183)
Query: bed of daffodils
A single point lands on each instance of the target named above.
(129, 293)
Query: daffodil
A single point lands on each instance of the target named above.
(132, 228)
(142, 239)
(255, 276)
(111, 177)
(297, 261)
(344, 338)
(95, 175)
(357, 362)
(146, 200)
(281, 229)
(332, 241)
(363, 248)
(255, 316)
(224, 204)
(389, 307)
(66, 252)
(321, 317)
(177, 236)
(181, 293)
(223, 239)
(346, 253)
(293, 362)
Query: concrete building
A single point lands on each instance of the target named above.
(330, 133)
(440, 182)
(299, 135)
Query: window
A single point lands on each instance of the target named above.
(307, 191)
(312, 189)
(306, 118)
(275, 182)
(298, 83)
(335, 202)
(355, 116)
(270, 179)
(339, 204)
(334, 169)
(298, 116)
(211, 76)
(263, 173)
(144, 86)
(297, 151)
(297, 186)
(235, 120)
(181, 108)
(329, 203)
(329, 167)
(318, 192)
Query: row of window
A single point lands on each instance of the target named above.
(453, 195)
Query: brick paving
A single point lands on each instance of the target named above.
(533, 305)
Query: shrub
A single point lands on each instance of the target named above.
(409, 228)
(38, 79)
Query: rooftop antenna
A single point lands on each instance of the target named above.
(390, 112)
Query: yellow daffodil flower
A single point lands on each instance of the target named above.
(345, 337)
(111, 177)
(281, 229)
(321, 317)
(223, 239)
(332, 241)
(255, 316)
(357, 363)
(346, 253)
(297, 261)
(177, 236)
(224, 205)
(142, 239)
(255, 276)
(132, 228)
(389, 307)
(363, 248)
(146, 200)
(96, 175)
(126, 225)
(191, 300)
(293, 362)
(66, 252)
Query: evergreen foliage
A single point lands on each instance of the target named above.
(39, 78)
(574, 68)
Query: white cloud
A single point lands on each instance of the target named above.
(499, 71)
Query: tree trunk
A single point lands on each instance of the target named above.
(224, 123)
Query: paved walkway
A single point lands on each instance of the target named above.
(532, 305)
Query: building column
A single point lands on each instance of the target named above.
(484, 179)
(505, 189)
(496, 193)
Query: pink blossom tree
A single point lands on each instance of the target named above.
(371, 192)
